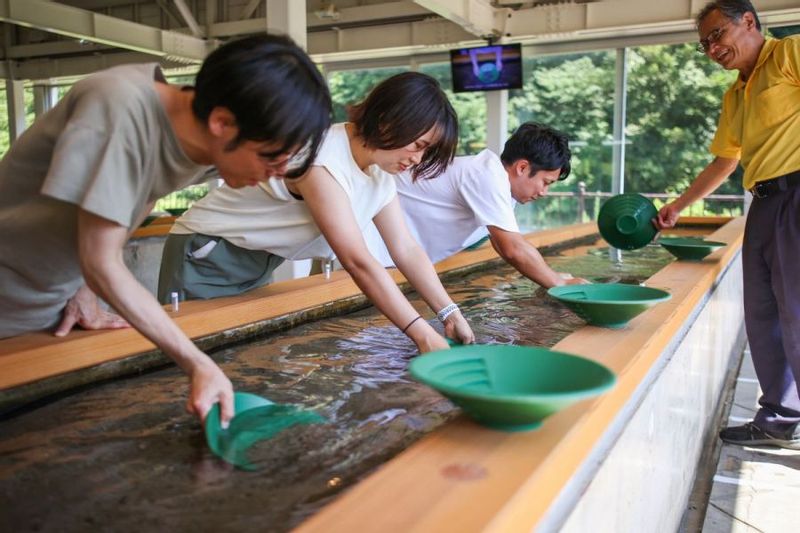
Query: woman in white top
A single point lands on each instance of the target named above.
(233, 239)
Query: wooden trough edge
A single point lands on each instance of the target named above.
(37, 365)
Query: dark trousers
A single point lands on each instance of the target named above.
(771, 265)
(227, 270)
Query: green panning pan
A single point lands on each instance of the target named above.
(609, 305)
(626, 221)
(255, 419)
(512, 388)
(689, 248)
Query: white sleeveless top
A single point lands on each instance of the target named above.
(267, 217)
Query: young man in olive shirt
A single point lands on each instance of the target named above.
(75, 185)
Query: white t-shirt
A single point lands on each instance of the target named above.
(267, 216)
(452, 211)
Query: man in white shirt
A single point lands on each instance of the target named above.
(477, 194)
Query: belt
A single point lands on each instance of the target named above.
(774, 186)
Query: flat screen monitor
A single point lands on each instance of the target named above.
(487, 68)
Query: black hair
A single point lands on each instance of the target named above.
(543, 147)
(732, 9)
(400, 110)
(274, 91)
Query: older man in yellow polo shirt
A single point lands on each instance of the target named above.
(760, 126)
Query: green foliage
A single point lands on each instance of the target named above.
(4, 124)
(575, 94)
(350, 87)
(182, 198)
(674, 97)
(470, 108)
(3, 120)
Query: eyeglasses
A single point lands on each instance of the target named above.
(705, 44)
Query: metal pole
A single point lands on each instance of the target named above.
(618, 144)
(581, 201)
(496, 120)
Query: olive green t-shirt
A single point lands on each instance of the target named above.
(107, 148)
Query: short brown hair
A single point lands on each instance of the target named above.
(400, 110)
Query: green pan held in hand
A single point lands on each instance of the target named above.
(689, 248)
(511, 388)
(256, 419)
(610, 305)
(626, 221)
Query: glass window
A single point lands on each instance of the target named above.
(4, 142)
(784, 31)
(575, 94)
(674, 98)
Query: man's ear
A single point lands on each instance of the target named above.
(521, 168)
(222, 124)
(749, 20)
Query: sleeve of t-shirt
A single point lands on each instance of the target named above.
(489, 201)
(94, 166)
(725, 144)
(334, 157)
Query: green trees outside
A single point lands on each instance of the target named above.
(674, 97)
(673, 103)
(29, 116)
(349, 87)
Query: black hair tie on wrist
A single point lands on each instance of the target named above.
(410, 323)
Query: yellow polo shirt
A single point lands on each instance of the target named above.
(760, 119)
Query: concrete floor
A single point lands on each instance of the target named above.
(755, 489)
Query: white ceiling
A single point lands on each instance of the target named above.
(45, 39)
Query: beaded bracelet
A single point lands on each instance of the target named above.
(409, 324)
(446, 312)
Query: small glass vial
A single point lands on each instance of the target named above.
(175, 302)
(328, 266)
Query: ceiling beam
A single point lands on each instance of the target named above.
(562, 28)
(94, 27)
(568, 22)
(388, 40)
(51, 49)
(187, 16)
(478, 17)
(347, 17)
(249, 9)
(165, 7)
(71, 68)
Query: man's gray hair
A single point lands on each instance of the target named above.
(732, 9)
